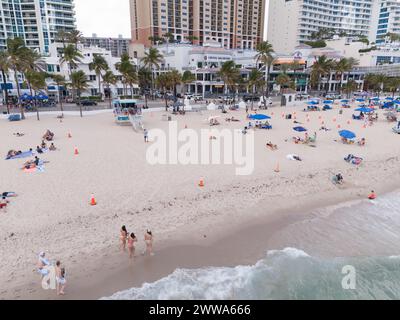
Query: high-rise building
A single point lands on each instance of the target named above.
(117, 46)
(387, 20)
(35, 21)
(292, 22)
(232, 23)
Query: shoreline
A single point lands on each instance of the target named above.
(240, 244)
(233, 220)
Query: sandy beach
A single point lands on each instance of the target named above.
(232, 220)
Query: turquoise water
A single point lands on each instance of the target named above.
(368, 233)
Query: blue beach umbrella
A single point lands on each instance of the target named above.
(299, 129)
(328, 101)
(364, 109)
(26, 97)
(375, 99)
(345, 100)
(360, 100)
(259, 117)
(313, 102)
(347, 134)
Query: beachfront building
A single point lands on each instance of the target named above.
(54, 66)
(118, 46)
(387, 19)
(292, 22)
(205, 62)
(35, 21)
(235, 24)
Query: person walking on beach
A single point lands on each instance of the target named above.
(123, 236)
(60, 279)
(148, 239)
(146, 135)
(3, 203)
(131, 245)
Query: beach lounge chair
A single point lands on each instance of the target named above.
(356, 117)
(14, 117)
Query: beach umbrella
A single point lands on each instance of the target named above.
(347, 134)
(375, 99)
(396, 101)
(26, 97)
(364, 109)
(299, 129)
(259, 117)
(328, 101)
(389, 98)
(360, 100)
(345, 100)
(313, 102)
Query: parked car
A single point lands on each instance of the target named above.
(87, 103)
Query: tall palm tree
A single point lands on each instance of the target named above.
(60, 82)
(37, 82)
(62, 36)
(144, 78)
(18, 55)
(98, 65)
(127, 71)
(5, 66)
(340, 68)
(392, 85)
(187, 78)
(284, 81)
(255, 81)
(322, 67)
(131, 79)
(175, 78)
(71, 56)
(152, 60)
(163, 82)
(74, 37)
(109, 79)
(350, 87)
(265, 56)
(229, 75)
(79, 83)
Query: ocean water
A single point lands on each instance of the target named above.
(359, 235)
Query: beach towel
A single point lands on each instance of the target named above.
(39, 168)
(25, 154)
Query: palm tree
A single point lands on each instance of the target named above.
(18, 55)
(74, 37)
(294, 66)
(37, 82)
(4, 67)
(62, 36)
(322, 67)
(187, 78)
(109, 79)
(229, 75)
(175, 78)
(79, 83)
(98, 65)
(255, 80)
(71, 56)
(392, 85)
(151, 60)
(350, 87)
(144, 78)
(60, 82)
(127, 71)
(164, 83)
(380, 81)
(266, 58)
(131, 79)
(284, 81)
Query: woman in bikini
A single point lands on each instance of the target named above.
(60, 278)
(131, 245)
(123, 236)
(148, 238)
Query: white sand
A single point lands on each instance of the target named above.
(52, 212)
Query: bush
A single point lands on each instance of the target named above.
(367, 50)
(316, 44)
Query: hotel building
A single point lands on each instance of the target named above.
(35, 21)
(234, 24)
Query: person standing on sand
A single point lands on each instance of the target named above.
(148, 239)
(123, 236)
(3, 203)
(146, 135)
(60, 278)
(131, 245)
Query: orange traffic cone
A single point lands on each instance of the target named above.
(201, 183)
(349, 122)
(334, 119)
(277, 169)
(338, 126)
(76, 152)
(93, 200)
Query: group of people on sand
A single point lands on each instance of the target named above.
(43, 268)
(4, 199)
(129, 240)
